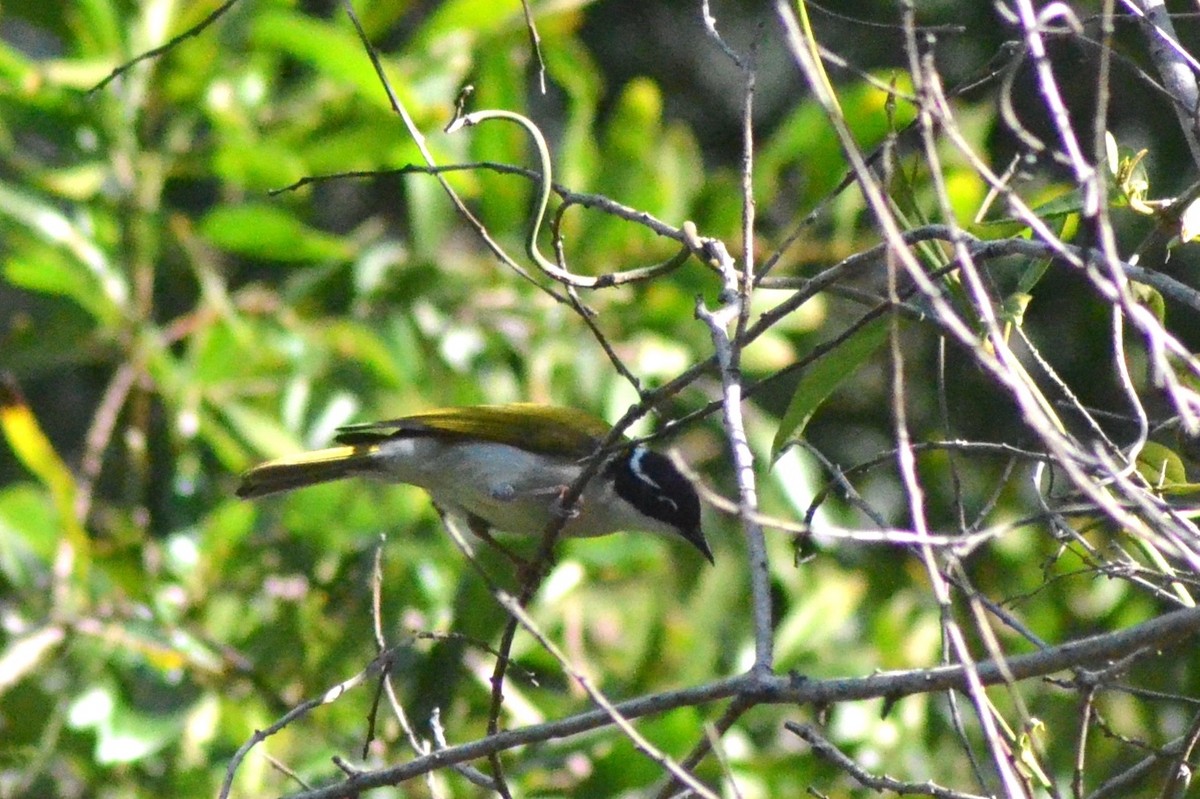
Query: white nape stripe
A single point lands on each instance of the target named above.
(635, 466)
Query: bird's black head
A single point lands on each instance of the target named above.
(650, 482)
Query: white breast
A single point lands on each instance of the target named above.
(512, 490)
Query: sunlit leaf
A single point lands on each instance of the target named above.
(1189, 222)
(37, 454)
(28, 533)
(123, 734)
(481, 17)
(49, 272)
(49, 224)
(257, 165)
(265, 231)
(24, 654)
(262, 431)
(1030, 742)
(98, 25)
(1161, 466)
(331, 49)
(14, 67)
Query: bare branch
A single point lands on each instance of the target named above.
(831, 754)
(760, 688)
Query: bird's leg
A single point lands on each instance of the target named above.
(562, 510)
(528, 572)
(483, 531)
(507, 493)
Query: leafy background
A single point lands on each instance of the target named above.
(171, 318)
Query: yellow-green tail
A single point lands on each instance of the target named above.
(306, 469)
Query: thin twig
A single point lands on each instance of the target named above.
(840, 760)
(170, 44)
(535, 43)
(639, 741)
(734, 312)
(298, 712)
(99, 434)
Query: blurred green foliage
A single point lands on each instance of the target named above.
(172, 320)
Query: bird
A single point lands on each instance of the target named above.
(506, 468)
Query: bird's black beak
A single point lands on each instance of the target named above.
(696, 538)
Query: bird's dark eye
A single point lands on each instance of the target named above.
(652, 484)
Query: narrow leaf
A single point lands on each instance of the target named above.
(823, 377)
(34, 450)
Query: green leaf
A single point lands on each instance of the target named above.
(29, 533)
(359, 145)
(365, 345)
(634, 154)
(480, 17)
(44, 221)
(572, 68)
(804, 143)
(265, 231)
(504, 199)
(680, 172)
(36, 453)
(819, 380)
(15, 68)
(263, 432)
(1151, 298)
(97, 24)
(257, 165)
(123, 734)
(1064, 205)
(1161, 466)
(331, 50)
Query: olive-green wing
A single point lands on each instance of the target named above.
(539, 428)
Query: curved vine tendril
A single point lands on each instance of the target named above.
(692, 243)
(544, 184)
